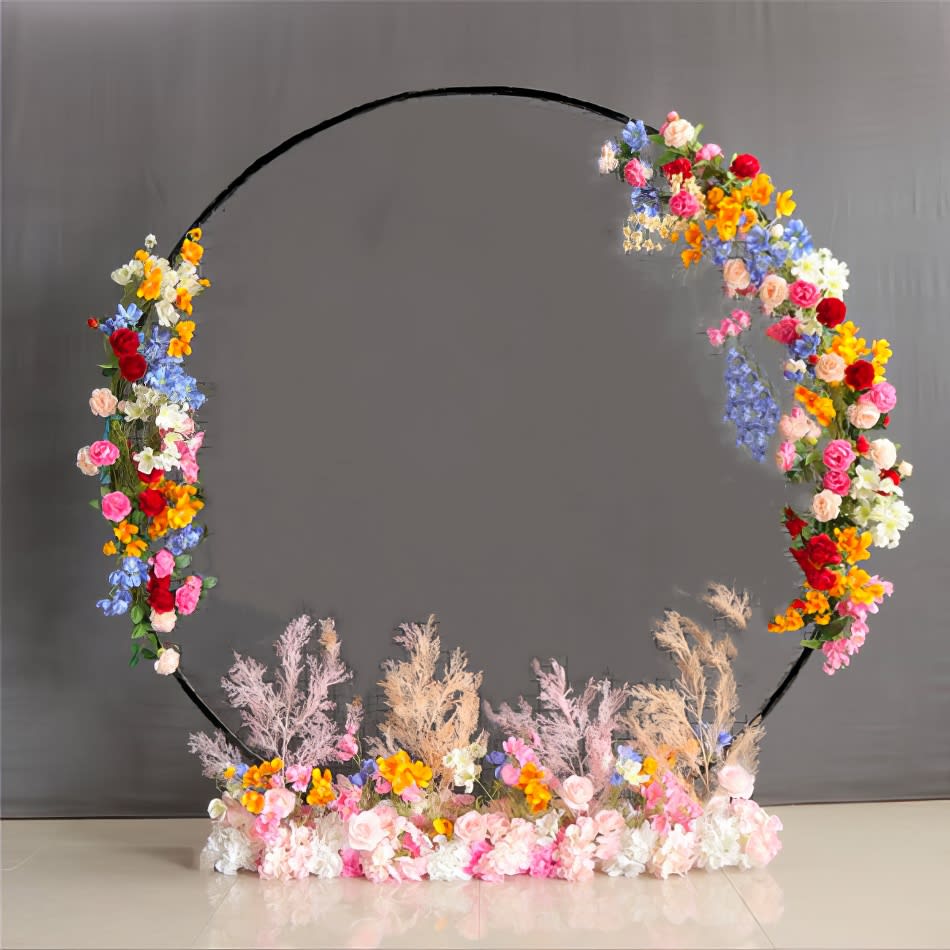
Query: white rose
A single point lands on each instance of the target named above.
(168, 658)
(883, 453)
(577, 791)
(164, 623)
(216, 808)
(905, 469)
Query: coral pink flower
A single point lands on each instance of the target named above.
(708, 152)
(576, 792)
(164, 621)
(102, 403)
(804, 294)
(785, 456)
(164, 563)
(783, 331)
(116, 506)
(84, 463)
(736, 781)
(634, 174)
(863, 414)
(735, 275)
(773, 292)
(836, 481)
(684, 204)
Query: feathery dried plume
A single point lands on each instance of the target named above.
(216, 753)
(283, 718)
(729, 604)
(744, 750)
(569, 735)
(428, 715)
(682, 724)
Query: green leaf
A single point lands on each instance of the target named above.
(135, 655)
(137, 613)
(207, 583)
(814, 644)
(95, 503)
(667, 157)
(149, 654)
(140, 630)
(182, 561)
(657, 139)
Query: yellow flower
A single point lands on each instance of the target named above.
(854, 547)
(253, 802)
(183, 300)
(151, 285)
(125, 531)
(442, 826)
(821, 407)
(401, 772)
(321, 791)
(790, 620)
(713, 197)
(784, 205)
(749, 218)
(136, 548)
(229, 771)
(251, 777)
(537, 795)
(863, 590)
(185, 329)
(109, 548)
(192, 251)
(761, 188)
(847, 344)
(195, 234)
(178, 347)
(690, 256)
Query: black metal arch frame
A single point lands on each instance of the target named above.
(507, 92)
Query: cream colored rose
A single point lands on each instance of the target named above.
(883, 453)
(863, 415)
(736, 275)
(168, 658)
(84, 463)
(217, 809)
(577, 792)
(826, 505)
(773, 292)
(678, 133)
(102, 403)
(905, 469)
(830, 368)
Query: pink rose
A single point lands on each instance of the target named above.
(167, 661)
(863, 415)
(103, 452)
(471, 827)
(188, 595)
(708, 152)
(838, 455)
(84, 463)
(116, 506)
(347, 747)
(883, 453)
(677, 132)
(279, 803)
(609, 821)
(164, 563)
(102, 403)
(163, 622)
(576, 792)
(735, 275)
(836, 481)
(715, 334)
(365, 830)
(830, 368)
(826, 505)
(740, 321)
(883, 396)
(785, 331)
(804, 294)
(785, 456)
(773, 292)
(684, 204)
(634, 174)
(795, 426)
(736, 781)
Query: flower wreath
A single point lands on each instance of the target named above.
(617, 778)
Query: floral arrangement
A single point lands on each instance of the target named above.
(685, 192)
(146, 460)
(614, 779)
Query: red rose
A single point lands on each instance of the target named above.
(831, 312)
(124, 342)
(679, 166)
(862, 444)
(886, 419)
(860, 375)
(822, 551)
(745, 166)
(152, 502)
(160, 597)
(793, 524)
(822, 579)
(155, 475)
(132, 367)
(892, 474)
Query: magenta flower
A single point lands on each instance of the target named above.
(116, 506)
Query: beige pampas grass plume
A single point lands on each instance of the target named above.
(729, 604)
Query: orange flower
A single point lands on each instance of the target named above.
(125, 531)
(401, 772)
(253, 802)
(821, 407)
(183, 300)
(109, 548)
(854, 547)
(790, 620)
(136, 548)
(151, 285)
(321, 791)
(713, 197)
(192, 251)
(761, 188)
(442, 826)
(784, 205)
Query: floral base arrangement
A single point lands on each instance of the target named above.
(617, 779)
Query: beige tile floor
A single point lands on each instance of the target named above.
(863, 875)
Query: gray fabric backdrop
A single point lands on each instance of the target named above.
(438, 385)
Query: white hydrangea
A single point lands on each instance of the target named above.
(228, 850)
(449, 860)
(464, 766)
(174, 417)
(891, 516)
(720, 841)
(823, 270)
(636, 847)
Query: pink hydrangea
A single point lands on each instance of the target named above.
(347, 802)
(543, 861)
(760, 831)
(576, 847)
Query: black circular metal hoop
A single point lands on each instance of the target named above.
(445, 92)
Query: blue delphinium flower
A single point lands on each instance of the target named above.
(498, 759)
(132, 573)
(117, 604)
(750, 405)
(124, 317)
(718, 251)
(645, 200)
(624, 753)
(798, 239)
(805, 346)
(367, 771)
(723, 740)
(635, 135)
(184, 539)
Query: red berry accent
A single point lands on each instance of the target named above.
(92, 323)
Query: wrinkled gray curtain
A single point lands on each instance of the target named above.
(436, 384)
